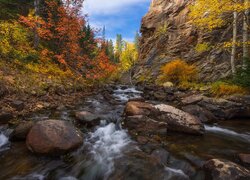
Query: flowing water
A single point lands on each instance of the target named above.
(108, 151)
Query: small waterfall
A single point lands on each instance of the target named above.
(124, 95)
(106, 144)
(228, 132)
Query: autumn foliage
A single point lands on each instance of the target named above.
(67, 39)
(178, 71)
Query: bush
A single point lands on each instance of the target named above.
(202, 47)
(15, 41)
(178, 71)
(224, 89)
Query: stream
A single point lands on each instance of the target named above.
(108, 151)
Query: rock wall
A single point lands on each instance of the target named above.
(178, 39)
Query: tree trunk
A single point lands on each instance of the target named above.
(36, 36)
(233, 54)
(245, 36)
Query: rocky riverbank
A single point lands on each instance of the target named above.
(123, 132)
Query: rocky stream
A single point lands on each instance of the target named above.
(128, 144)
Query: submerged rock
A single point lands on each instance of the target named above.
(87, 117)
(218, 169)
(138, 165)
(53, 137)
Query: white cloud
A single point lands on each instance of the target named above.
(108, 7)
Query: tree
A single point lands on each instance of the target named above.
(233, 53)
(118, 47)
(111, 50)
(36, 36)
(211, 14)
(245, 35)
(61, 30)
(137, 41)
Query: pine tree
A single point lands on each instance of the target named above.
(118, 47)
(137, 41)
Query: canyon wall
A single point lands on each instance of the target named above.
(168, 33)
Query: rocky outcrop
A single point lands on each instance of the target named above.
(198, 103)
(168, 33)
(53, 137)
(143, 116)
(217, 169)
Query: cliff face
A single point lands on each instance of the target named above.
(168, 33)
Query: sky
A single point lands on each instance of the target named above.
(118, 16)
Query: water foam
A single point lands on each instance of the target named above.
(107, 144)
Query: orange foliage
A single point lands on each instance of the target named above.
(62, 29)
(223, 89)
(101, 67)
(178, 71)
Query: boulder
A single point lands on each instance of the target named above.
(53, 137)
(245, 158)
(204, 115)
(138, 113)
(143, 125)
(22, 130)
(218, 169)
(179, 120)
(134, 108)
(87, 118)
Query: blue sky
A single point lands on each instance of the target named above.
(118, 16)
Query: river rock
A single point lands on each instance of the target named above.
(5, 117)
(18, 105)
(192, 99)
(139, 165)
(204, 115)
(134, 108)
(245, 158)
(161, 155)
(22, 130)
(218, 169)
(179, 120)
(53, 137)
(87, 117)
(143, 125)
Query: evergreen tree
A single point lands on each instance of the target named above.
(137, 41)
(118, 47)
